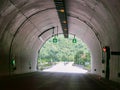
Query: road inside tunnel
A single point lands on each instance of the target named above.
(56, 81)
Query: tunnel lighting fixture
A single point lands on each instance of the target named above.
(65, 29)
(62, 10)
(64, 22)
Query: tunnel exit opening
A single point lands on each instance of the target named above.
(68, 55)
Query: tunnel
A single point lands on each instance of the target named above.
(25, 25)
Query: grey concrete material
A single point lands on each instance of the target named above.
(115, 68)
(101, 20)
(96, 22)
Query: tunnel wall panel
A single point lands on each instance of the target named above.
(115, 68)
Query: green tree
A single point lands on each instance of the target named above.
(64, 50)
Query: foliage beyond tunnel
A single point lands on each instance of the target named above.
(64, 50)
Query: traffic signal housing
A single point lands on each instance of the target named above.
(106, 50)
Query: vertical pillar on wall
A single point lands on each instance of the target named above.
(106, 51)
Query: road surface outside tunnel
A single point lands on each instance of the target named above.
(66, 68)
(59, 54)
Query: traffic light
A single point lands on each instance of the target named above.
(106, 50)
(13, 64)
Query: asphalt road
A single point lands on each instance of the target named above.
(55, 81)
(66, 68)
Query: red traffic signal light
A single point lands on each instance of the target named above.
(104, 49)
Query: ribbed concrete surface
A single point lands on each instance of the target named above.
(96, 22)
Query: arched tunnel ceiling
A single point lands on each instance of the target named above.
(95, 16)
(96, 22)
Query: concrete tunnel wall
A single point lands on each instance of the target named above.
(96, 22)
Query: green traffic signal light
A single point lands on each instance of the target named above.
(13, 62)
